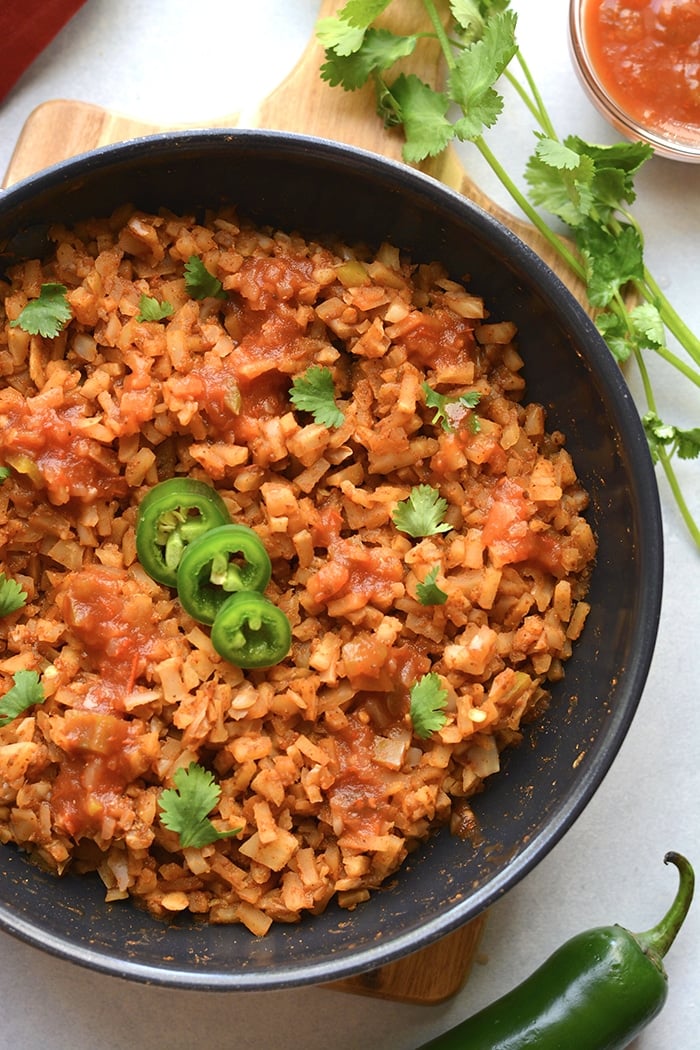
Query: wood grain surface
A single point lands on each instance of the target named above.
(303, 103)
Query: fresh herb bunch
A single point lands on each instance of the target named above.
(588, 188)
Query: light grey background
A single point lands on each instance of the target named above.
(174, 61)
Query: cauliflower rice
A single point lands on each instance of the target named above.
(316, 758)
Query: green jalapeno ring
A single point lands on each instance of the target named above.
(209, 573)
(250, 631)
(170, 517)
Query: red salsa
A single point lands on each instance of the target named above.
(359, 798)
(102, 755)
(508, 536)
(104, 752)
(646, 54)
(47, 445)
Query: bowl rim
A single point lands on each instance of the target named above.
(562, 816)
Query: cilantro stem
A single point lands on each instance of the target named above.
(677, 363)
(688, 518)
(440, 32)
(675, 324)
(538, 107)
(644, 376)
(524, 97)
(664, 458)
(523, 203)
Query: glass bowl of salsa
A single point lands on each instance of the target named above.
(639, 61)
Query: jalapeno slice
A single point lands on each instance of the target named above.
(226, 559)
(249, 631)
(170, 517)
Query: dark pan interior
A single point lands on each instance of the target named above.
(322, 188)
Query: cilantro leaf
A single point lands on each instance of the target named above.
(575, 180)
(152, 310)
(421, 513)
(387, 105)
(687, 443)
(423, 113)
(683, 443)
(428, 702)
(201, 284)
(12, 596)
(647, 325)
(471, 15)
(428, 591)
(379, 50)
(5, 473)
(26, 691)
(611, 259)
(475, 72)
(313, 392)
(184, 808)
(614, 169)
(560, 180)
(468, 16)
(48, 314)
(641, 327)
(337, 36)
(361, 13)
(450, 410)
(616, 333)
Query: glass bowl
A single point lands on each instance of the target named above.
(667, 135)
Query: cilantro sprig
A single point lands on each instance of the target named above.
(46, 315)
(12, 596)
(313, 392)
(428, 591)
(152, 309)
(662, 437)
(449, 411)
(25, 691)
(421, 513)
(587, 187)
(185, 808)
(428, 699)
(200, 283)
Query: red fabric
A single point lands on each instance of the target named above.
(26, 27)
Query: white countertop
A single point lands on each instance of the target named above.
(171, 61)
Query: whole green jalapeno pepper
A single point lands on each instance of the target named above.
(170, 516)
(597, 992)
(221, 561)
(249, 631)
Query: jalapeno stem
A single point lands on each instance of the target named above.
(659, 939)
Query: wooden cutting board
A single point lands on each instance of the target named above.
(59, 129)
